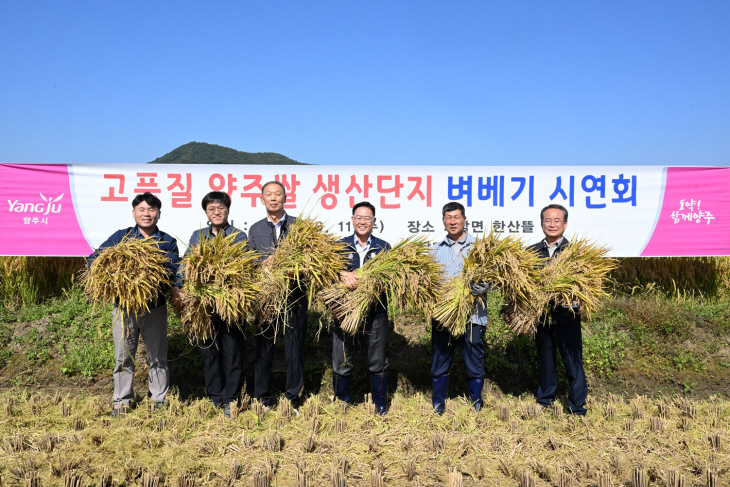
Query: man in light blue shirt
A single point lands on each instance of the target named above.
(450, 253)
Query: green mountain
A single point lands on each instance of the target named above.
(202, 153)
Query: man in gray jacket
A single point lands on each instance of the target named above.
(264, 237)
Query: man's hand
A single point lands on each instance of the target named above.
(177, 299)
(349, 279)
(268, 261)
(479, 288)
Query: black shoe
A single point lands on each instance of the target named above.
(227, 410)
(115, 413)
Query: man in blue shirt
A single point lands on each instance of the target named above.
(222, 383)
(362, 247)
(450, 253)
(152, 325)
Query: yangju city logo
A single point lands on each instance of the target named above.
(51, 205)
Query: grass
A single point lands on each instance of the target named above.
(56, 436)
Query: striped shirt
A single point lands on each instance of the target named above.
(454, 263)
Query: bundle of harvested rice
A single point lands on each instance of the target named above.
(576, 275)
(407, 275)
(309, 259)
(220, 276)
(504, 263)
(130, 272)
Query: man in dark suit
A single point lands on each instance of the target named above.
(560, 328)
(362, 247)
(264, 236)
(223, 353)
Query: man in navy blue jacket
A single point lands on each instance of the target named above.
(152, 326)
(362, 247)
(222, 383)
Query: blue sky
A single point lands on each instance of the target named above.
(369, 82)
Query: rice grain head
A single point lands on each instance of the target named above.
(578, 274)
(131, 272)
(309, 259)
(504, 263)
(405, 277)
(220, 276)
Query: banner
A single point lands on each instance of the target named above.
(68, 210)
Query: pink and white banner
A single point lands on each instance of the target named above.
(56, 210)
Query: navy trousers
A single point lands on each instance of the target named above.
(565, 336)
(471, 345)
(223, 362)
(295, 333)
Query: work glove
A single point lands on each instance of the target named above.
(479, 288)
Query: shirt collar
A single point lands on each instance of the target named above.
(358, 245)
(223, 230)
(279, 223)
(156, 235)
(556, 244)
(447, 241)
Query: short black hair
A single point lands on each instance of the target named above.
(555, 207)
(215, 197)
(273, 182)
(453, 206)
(364, 204)
(148, 198)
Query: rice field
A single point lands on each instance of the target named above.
(63, 436)
(57, 438)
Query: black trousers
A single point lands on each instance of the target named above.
(564, 335)
(294, 334)
(223, 362)
(375, 336)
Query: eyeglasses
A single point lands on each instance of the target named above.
(359, 218)
(216, 209)
(557, 221)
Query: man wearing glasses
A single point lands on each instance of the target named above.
(222, 383)
(362, 247)
(560, 328)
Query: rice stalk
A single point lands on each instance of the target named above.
(577, 275)
(308, 260)
(220, 276)
(130, 272)
(25, 281)
(504, 263)
(405, 277)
